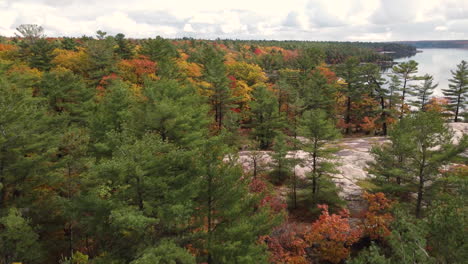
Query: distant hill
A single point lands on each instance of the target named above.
(441, 44)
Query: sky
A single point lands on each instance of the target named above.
(337, 20)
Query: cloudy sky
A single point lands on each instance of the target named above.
(354, 20)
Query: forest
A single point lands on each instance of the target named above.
(180, 151)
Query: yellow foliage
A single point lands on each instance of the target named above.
(76, 61)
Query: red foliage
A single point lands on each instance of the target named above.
(286, 244)
(258, 51)
(377, 219)
(233, 84)
(276, 203)
(331, 235)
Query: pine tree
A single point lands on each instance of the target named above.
(406, 73)
(420, 146)
(215, 74)
(110, 113)
(377, 87)
(457, 93)
(101, 59)
(174, 111)
(266, 121)
(231, 228)
(67, 94)
(124, 48)
(423, 92)
(145, 192)
(26, 140)
(18, 240)
(318, 131)
(351, 72)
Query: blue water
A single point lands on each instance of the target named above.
(438, 63)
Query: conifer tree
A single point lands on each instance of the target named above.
(144, 192)
(215, 74)
(67, 94)
(101, 59)
(266, 121)
(457, 93)
(318, 131)
(420, 146)
(18, 240)
(423, 92)
(124, 48)
(174, 111)
(406, 73)
(351, 72)
(111, 112)
(230, 227)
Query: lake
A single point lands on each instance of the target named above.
(438, 63)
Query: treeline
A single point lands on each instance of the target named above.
(125, 151)
(441, 44)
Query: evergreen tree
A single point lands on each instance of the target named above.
(18, 240)
(110, 113)
(26, 140)
(351, 72)
(101, 59)
(423, 92)
(68, 43)
(266, 121)
(124, 48)
(318, 131)
(145, 192)
(174, 111)
(215, 74)
(420, 147)
(231, 227)
(457, 93)
(406, 73)
(280, 158)
(377, 87)
(67, 94)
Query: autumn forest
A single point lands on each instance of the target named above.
(117, 150)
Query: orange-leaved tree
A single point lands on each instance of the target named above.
(331, 236)
(377, 218)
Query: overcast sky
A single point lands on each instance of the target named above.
(343, 20)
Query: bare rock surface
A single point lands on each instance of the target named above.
(352, 159)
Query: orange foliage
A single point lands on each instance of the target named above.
(286, 244)
(437, 104)
(328, 73)
(332, 235)
(7, 47)
(377, 219)
(135, 70)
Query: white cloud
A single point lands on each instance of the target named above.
(364, 20)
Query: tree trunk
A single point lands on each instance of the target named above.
(348, 115)
(420, 186)
(403, 99)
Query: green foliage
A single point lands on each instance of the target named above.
(166, 253)
(423, 92)
(174, 111)
(102, 60)
(215, 73)
(457, 93)
(232, 228)
(266, 120)
(318, 132)
(124, 48)
(18, 240)
(371, 255)
(67, 94)
(405, 72)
